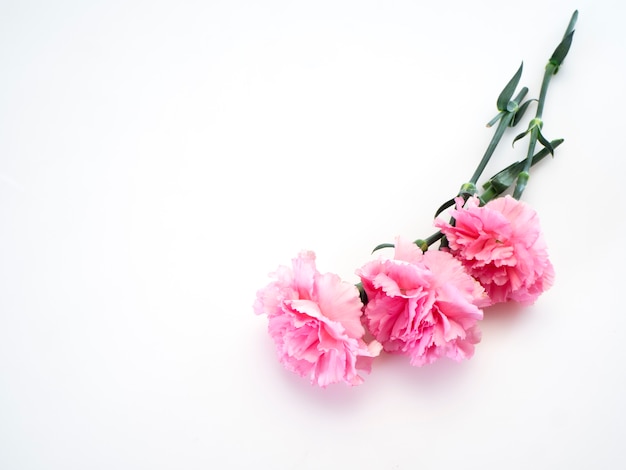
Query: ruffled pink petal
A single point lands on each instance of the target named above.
(501, 245)
(340, 302)
(421, 305)
(315, 322)
(304, 273)
(406, 250)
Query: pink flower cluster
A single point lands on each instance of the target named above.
(425, 305)
(500, 244)
(425, 302)
(315, 321)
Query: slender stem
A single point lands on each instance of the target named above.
(522, 180)
(531, 149)
(502, 125)
(433, 238)
(547, 76)
(501, 181)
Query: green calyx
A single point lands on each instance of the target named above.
(467, 190)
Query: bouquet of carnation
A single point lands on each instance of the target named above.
(424, 301)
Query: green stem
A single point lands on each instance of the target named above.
(547, 76)
(497, 136)
(501, 181)
(522, 180)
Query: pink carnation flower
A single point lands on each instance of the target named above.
(423, 305)
(315, 321)
(501, 245)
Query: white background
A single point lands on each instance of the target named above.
(159, 159)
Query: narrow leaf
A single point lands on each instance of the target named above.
(502, 180)
(509, 89)
(563, 48)
(545, 143)
(572, 23)
(383, 245)
(444, 206)
(519, 136)
(520, 113)
(561, 51)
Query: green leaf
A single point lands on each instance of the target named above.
(520, 113)
(444, 206)
(383, 245)
(561, 51)
(509, 89)
(572, 23)
(563, 48)
(521, 95)
(502, 183)
(502, 180)
(545, 143)
(520, 136)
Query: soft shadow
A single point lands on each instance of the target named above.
(504, 314)
(338, 396)
(432, 381)
(440, 377)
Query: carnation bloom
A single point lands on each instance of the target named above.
(423, 305)
(501, 245)
(315, 321)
